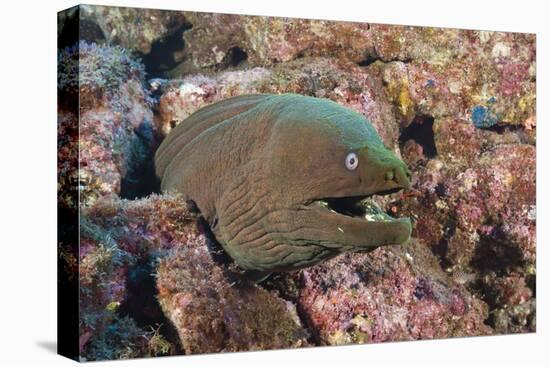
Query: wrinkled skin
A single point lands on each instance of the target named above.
(262, 168)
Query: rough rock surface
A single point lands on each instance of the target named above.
(459, 108)
(484, 77)
(114, 134)
(341, 81)
(120, 240)
(389, 295)
(214, 38)
(215, 313)
(131, 28)
(123, 242)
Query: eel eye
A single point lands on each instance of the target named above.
(352, 161)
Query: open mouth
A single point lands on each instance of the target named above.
(358, 207)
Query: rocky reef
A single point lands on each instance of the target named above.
(458, 106)
(146, 271)
(391, 294)
(113, 131)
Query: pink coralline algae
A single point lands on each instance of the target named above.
(210, 312)
(476, 210)
(389, 295)
(132, 28)
(115, 130)
(119, 238)
(268, 40)
(213, 313)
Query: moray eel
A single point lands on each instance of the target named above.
(284, 180)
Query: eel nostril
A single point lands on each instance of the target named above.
(400, 176)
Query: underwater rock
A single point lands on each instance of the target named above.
(341, 81)
(67, 158)
(396, 81)
(516, 312)
(120, 240)
(158, 238)
(131, 28)
(486, 78)
(115, 127)
(226, 40)
(492, 197)
(475, 209)
(213, 313)
(516, 319)
(391, 294)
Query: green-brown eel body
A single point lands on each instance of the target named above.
(281, 179)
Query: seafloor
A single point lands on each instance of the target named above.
(458, 106)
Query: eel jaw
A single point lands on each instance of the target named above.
(357, 207)
(362, 224)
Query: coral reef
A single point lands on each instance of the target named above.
(218, 40)
(121, 238)
(131, 28)
(475, 207)
(391, 294)
(458, 106)
(115, 130)
(341, 81)
(213, 313)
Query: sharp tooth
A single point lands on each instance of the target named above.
(370, 217)
(340, 229)
(373, 213)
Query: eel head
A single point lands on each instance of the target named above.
(325, 166)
